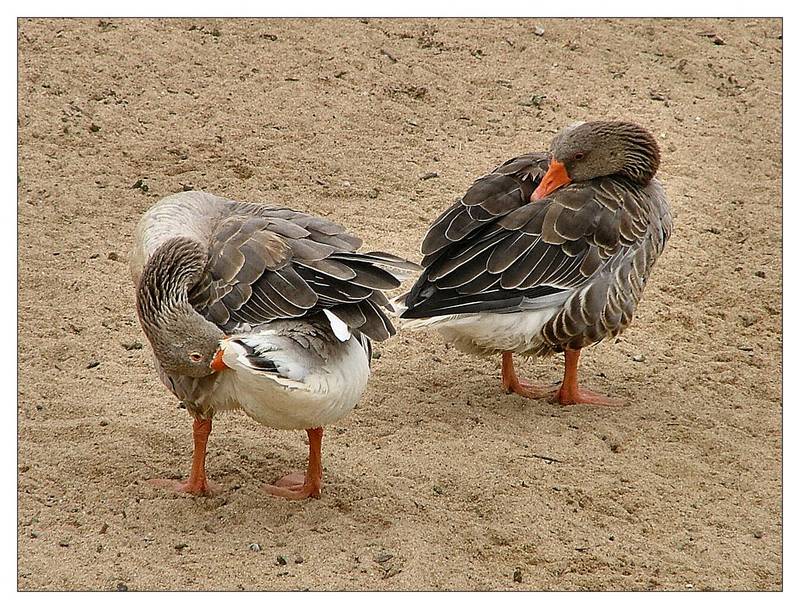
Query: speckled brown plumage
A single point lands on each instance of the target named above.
(263, 309)
(583, 252)
(267, 262)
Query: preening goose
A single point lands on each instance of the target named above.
(259, 308)
(548, 253)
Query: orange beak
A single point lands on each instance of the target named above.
(555, 178)
(217, 364)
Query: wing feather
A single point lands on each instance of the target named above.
(496, 250)
(267, 263)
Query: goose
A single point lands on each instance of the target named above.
(548, 253)
(263, 309)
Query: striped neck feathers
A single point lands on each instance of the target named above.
(183, 340)
(601, 148)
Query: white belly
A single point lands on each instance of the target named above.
(324, 395)
(487, 333)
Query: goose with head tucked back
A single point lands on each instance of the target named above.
(259, 308)
(548, 253)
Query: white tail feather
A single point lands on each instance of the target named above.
(399, 305)
(339, 328)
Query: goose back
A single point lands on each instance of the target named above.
(585, 251)
(268, 262)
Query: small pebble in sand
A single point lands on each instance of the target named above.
(281, 560)
(747, 319)
(518, 575)
(538, 30)
(122, 587)
(713, 37)
(254, 547)
(639, 358)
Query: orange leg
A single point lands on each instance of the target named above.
(512, 384)
(197, 484)
(570, 393)
(297, 486)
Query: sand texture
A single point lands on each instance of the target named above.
(438, 480)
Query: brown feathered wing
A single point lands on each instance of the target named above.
(268, 263)
(496, 250)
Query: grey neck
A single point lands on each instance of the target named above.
(162, 294)
(642, 156)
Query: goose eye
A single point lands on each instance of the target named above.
(196, 357)
(578, 156)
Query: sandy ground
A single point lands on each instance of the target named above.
(437, 480)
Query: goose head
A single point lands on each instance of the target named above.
(185, 345)
(585, 151)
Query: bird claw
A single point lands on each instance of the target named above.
(530, 390)
(585, 396)
(295, 486)
(186, 487)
